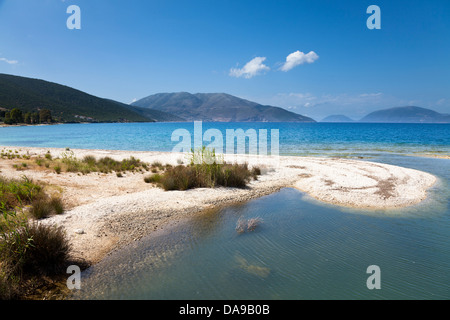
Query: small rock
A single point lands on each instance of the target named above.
(79, 231)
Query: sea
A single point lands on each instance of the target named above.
(302, 249)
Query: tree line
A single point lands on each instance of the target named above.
(16, 116)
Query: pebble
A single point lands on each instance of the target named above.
(79, 231)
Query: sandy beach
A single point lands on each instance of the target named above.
(104, 212)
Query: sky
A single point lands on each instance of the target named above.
(312, 57)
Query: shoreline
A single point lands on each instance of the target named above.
(113, 212)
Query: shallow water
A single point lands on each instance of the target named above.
(304, 139)
(303, 249)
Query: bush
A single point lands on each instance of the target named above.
(179, 178)
(9, 284)
(57, 205)
(90, 160)
(15, 193)
(36, 249)
(45, 206)
(157, 164)
(88, 164)
(156, 178)
(49, 251)
(205, 171)
(27, 249)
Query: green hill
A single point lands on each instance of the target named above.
(65, 103)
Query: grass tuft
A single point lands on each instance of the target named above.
(28, 250)
(45, 206)
(205, 170)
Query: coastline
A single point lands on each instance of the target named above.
(113, 212)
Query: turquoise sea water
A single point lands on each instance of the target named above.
(303, 249)
(295, 138)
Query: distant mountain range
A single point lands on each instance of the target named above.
(217, 107)
(337, 118)
(71, 105)
(408, 114)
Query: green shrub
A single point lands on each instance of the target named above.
(29, 252)
(57, 205)
(27, 248)
(90, 160)
(45, 206)
(205, 171)
(49, 252)
(57, 169)
(89, 163)
(36, 249)
(156, 178)
(17, 193)
(14, 243)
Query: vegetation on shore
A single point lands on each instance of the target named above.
(29, 251)
(17, 116)
(68, 162)
(206, 170)
(33, 255)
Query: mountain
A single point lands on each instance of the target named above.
(409, 114)
(157, 115)
(65, 103)
(337, 118)
(216, 107)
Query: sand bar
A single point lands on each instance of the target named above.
(112, 212)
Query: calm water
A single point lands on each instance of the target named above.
(303, 249)
(354, 139)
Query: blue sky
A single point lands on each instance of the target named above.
(127, 50)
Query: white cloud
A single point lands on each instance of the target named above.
(297, 58)
(251, 69)
(9, 61)
(370, 95)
